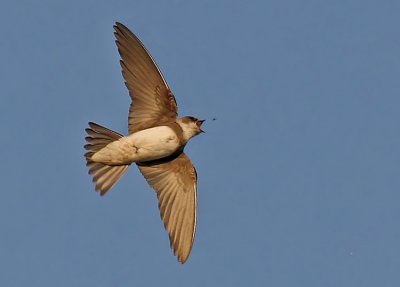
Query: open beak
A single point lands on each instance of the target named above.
(199, 123)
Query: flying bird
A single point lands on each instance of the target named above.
(155, 143)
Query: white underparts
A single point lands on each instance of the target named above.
(145, 145)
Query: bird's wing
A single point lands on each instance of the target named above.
(175, 182)
(152, 101)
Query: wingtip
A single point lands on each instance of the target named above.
(117, 24)
(118, 27)
(182, 259)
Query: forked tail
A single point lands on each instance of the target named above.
(104, 176)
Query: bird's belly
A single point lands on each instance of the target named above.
(145, 145)
(153, 143)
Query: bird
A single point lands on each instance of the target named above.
(155, 143)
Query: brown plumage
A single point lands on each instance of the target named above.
(173, 177)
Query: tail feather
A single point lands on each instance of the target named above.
(108, 177)
(94, 141)
(104, 176)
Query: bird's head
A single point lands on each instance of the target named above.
(190, 126)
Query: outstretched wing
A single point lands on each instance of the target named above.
(152, 101)
(175, 182)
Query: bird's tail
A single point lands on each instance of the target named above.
(104, 176)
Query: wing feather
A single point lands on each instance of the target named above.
(175, 182)
(152, 100)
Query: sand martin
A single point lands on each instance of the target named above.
(155, 143)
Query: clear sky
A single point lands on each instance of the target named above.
(299, 180)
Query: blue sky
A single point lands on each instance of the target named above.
(298, 175)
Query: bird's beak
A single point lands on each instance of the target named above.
(199, 123)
